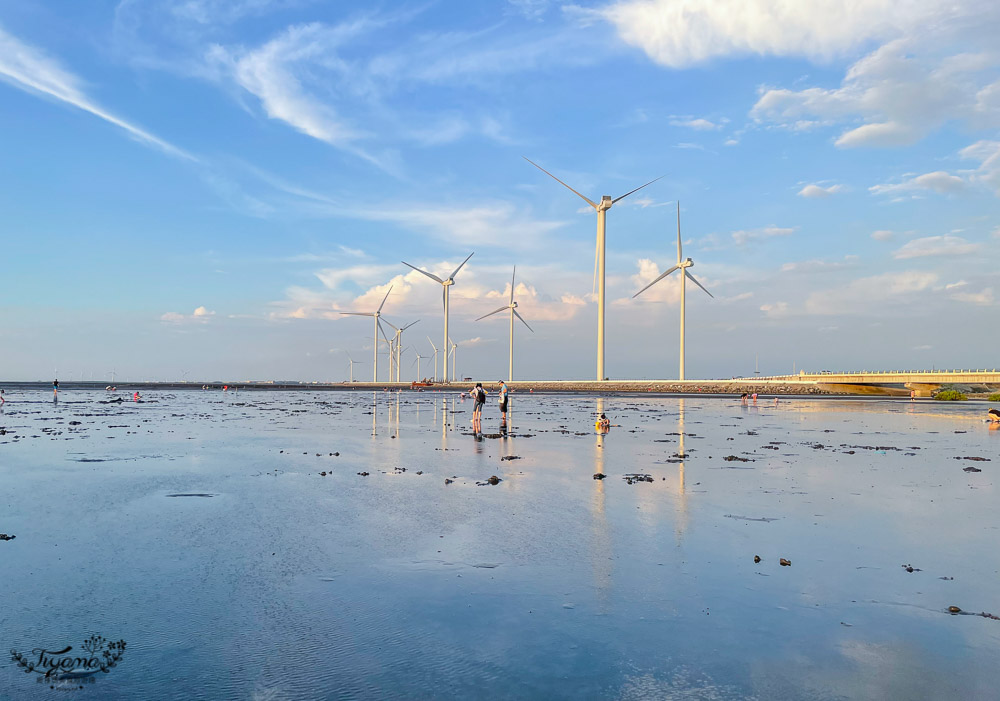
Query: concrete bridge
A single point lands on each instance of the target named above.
(922, 382)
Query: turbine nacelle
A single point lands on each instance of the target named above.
(605, 204)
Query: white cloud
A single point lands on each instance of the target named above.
(988, 155)
(816, 265)
(996, 233)
(813, 190)
(745, 236)
(933, 73)
(29, 69)
(776, 310)
(936, 246)
(938, 181)
(883, 235)
(698, 124)
(871, 295)
(679, 33)
(983, 298)
(199, 315)
(667, 290)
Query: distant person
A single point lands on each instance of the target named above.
(912, 395)
(775, 401)
(55, 388)
(478, 395)
(754, 399)
(994, 416)
(743, 398)
(135, 397)
(604, 424)
(503, 399)
(2, 400)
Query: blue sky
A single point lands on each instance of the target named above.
(197, 188)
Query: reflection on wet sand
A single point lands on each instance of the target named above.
(601, 554)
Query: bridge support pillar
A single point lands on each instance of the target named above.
(921, 389)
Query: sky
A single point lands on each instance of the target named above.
(195, 189)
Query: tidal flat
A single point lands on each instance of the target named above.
(309, 545)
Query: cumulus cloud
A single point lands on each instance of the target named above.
(667, 290)
(946, 245)
(988, 155)
(813, 190)
(698, 124)
(776, 310)
(679, 33)
(883, 235)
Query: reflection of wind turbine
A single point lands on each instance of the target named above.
(352, 361)
(682, 264)
(512, 306)
(435, 358)
(376, 314)
(602, 207)
(446, 284)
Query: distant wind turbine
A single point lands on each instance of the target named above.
(454, 356)
(351, 361)
(447, 285)
(601, 208)
(512, 306)
(435, 358)
(376, 314)
(682, 264)
(416, 361)
(398, 342)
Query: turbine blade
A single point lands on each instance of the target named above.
(358, 313)
(382, 331)
(622, 197)
(452, 276)
(383, 299)
(410, 324)
(496, 311)
(662, 275)
(523, 321)
(387, 323)
(433, 277)
(432, 344)
(512, 284)
(585, 199)
(691, 278)
(679, 254)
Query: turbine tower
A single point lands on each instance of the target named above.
(446, 284)
(512, 306)
(682, 264)
(601, 208)
(376, 314)
(397, 341)
(416, 361)
(454, 357)
(435, 358)
(352, 361)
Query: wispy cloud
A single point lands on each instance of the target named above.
(814, 191)
(200, 315)
(936, 246)
(28, 68)
(938, 181)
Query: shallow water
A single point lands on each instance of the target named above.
(197, 527)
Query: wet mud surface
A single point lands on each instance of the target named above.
(288, 545)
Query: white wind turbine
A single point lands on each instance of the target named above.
(352, 361)
(416, 362)
(602, 207)
(447, 285)
(376, 314)
(682, 264)
(397, 342)
(435, 358)
(454, 355)
(512, 306)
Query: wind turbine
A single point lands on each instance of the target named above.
(376, 314)
(512, 306)
(435, 358)
(351, 361)
(682, 264)
(446, 284)
(454, 355)
(397, 340)
(416, 362)
(601, 208)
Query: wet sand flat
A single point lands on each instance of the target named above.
(200, 528)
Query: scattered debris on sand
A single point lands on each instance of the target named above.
(511, 457)
(967, 457)
(448, 481)
(633, 477)
(756, 558)
(599, 475)
(784, 563)
(735, 458)
(970, 468)
(363, 474)
(911, 568)
(4, 536)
